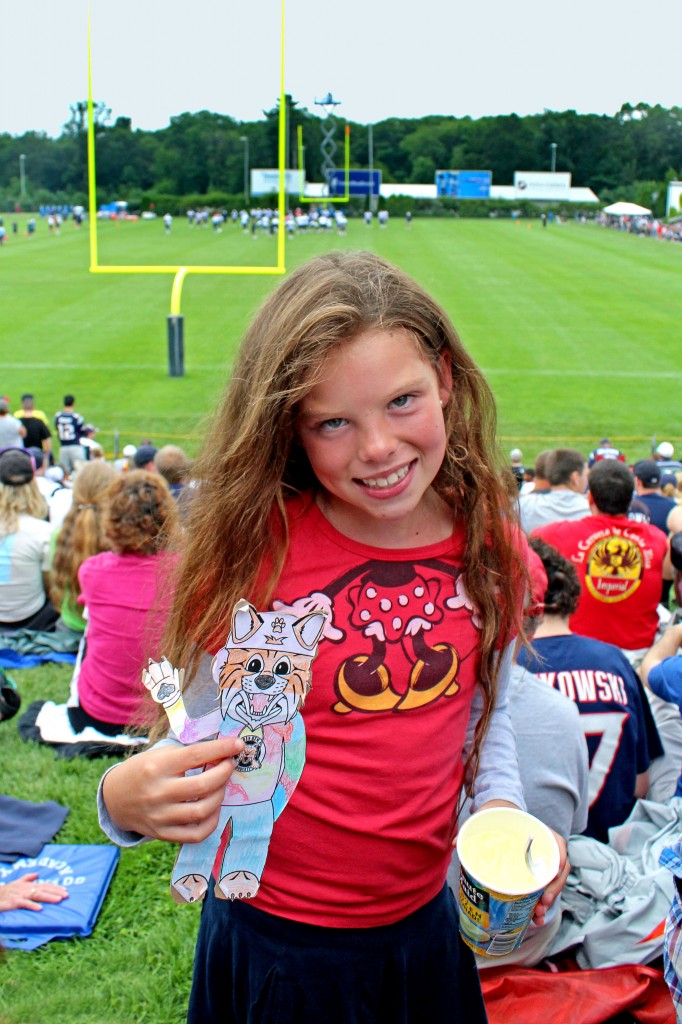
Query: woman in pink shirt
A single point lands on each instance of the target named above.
(125, 592)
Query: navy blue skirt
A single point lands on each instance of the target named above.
(254, 968)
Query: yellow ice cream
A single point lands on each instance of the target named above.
(493, 849)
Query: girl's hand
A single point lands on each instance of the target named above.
(27, 893)
(151, 795)
(557, 883)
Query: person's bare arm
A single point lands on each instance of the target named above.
(664, 648)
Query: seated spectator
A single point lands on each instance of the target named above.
(174, 466)
(144, 458)
(24, 547)
(567, 477)
(516, 465)
(661, 673)
(60, 497)
(88, 443)
(553, 766)
(668, 485)
(81, 536)
(664, 452)
(619, 563)
(663, 512)
(126, 593)
(540, 481)
(125, 462)
(616, 719)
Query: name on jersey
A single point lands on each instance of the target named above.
(588, 685)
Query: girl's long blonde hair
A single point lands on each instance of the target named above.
(15, 501)
(252, 460)
(82, 533)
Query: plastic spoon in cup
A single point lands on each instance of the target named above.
(531, 864)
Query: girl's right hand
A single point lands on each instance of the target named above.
(150, 793)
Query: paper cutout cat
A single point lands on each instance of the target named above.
(263, 676)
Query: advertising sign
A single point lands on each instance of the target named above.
(464, 184)
(361, 183)
(546, 185)
(265, 181)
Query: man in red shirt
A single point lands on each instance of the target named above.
(619, 563)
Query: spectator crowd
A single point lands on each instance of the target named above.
(87, 544)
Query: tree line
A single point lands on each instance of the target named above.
(630, 155)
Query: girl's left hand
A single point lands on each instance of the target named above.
(27, 893)
(556, 885)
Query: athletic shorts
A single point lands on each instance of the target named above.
(255, 968)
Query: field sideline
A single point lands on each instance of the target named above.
(576, 327)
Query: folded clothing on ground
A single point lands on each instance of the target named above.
(25, 827)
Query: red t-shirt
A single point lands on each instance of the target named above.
(620, 565)
(366, 837)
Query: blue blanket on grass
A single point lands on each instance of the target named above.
(25, 648)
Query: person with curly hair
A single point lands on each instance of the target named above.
(24, 546)
(81, 536)
(124, 591)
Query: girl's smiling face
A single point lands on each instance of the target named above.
(374, 433)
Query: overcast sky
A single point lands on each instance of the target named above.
(380, 58)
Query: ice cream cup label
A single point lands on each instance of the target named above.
(498, 891)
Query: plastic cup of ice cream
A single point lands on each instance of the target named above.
(499, 886)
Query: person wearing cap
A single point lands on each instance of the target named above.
(124, 462)
(24, 546)
(604, 450)
(516, 465)
(664, 452)
(619, 563)
(12, 432)
(648, 475)
(621, 735)
(88, 443)
(34, 422)
(144, 458)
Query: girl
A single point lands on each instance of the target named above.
(81, 536)
(351, 470)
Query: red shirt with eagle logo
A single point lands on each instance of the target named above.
(620, 565)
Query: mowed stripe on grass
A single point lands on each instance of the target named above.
(576, 327)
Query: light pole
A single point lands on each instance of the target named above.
(22, 173)
(552, 146)
(243, 138)
(370, 147)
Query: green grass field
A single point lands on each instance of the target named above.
(577, 327)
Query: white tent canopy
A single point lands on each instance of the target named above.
(626, 210)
